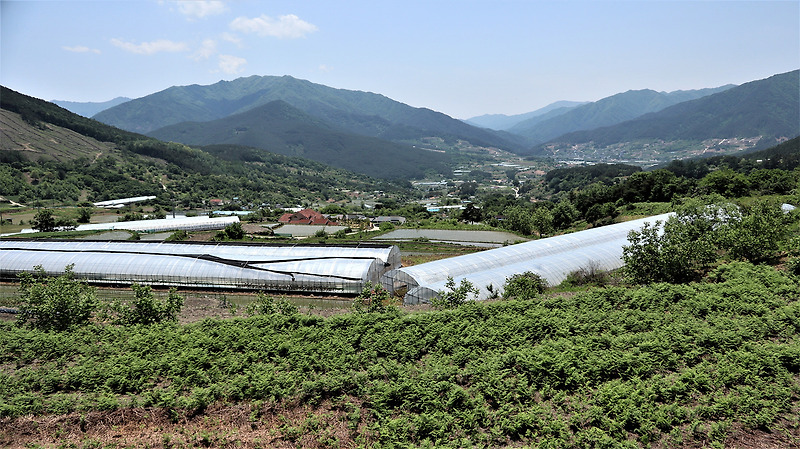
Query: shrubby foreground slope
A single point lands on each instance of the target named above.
(708, 363)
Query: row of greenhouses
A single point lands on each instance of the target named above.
(214, 266)
(552, 258)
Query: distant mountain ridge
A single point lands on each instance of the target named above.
(50, 153)
(89, 109)
(503, 122)
(605, 112)
(358, 112)
(768, 108)
(281, 128)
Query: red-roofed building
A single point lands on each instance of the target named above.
(306, 216)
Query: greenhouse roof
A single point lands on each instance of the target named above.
(552, 258)
(313, 269)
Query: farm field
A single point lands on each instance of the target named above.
(706, 364)
(495, 238)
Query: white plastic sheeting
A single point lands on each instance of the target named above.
(552, 258)
(310, 269)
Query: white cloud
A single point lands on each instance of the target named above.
(201, 8)
(289, 26)
(149, 48)
(81, 49)
(206, 50)
(325, 68)
(231, 64)
(232, 38)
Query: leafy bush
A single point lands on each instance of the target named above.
(55, 303)
(267, 305)
(146, 309)
(454, 296)
(757, 234)
(589, 275)
(177, 236)
(527, 285)
(373, 298)
(234, 231)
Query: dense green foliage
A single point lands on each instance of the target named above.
(145, 308)
(699, 234)
(57, 303)
(671, 365)
(527, 285)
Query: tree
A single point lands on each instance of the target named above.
(757, 234)
(471, 213)
(234, 231)
(564, 214)
(674, 253)
(519, 219)
(542, 221)
(44, 221)
(55, 303)
(84, 215)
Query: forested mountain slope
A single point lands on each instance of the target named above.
(49, 153)
(280, 128)
(359, 112)
(768, 108)
(608, 111)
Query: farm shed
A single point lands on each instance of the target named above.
(553, 258)
(213, 266)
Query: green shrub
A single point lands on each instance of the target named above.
(55, 303)
(527, 285)
(373, 298)
(234, 231)
(454, 296)
(267, 305)
(589, 275)
(146, 309)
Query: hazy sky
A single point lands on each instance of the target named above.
(460, 57)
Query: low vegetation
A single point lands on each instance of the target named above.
(672, 365)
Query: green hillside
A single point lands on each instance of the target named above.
(358, 112)
(50, 154)
(768, 108)
(608, 111)
(281, 128)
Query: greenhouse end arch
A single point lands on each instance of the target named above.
(552, 258)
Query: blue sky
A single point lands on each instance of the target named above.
(463, 58)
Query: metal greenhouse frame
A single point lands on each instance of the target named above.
(552, 258)
(213, 266)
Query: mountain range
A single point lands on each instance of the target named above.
(50, 153)
(358, 130)
(605, 112)
(88, 109)
(363, 113)
(766, 111)
(281, 128)
(502, 122)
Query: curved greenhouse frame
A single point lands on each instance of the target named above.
(308, 269)
(552, 258)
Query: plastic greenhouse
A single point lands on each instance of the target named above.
(552, 258)
(213, 266)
